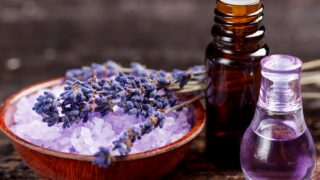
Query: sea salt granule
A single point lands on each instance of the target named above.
(86, 138)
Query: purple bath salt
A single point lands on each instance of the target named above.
(278, 145)
(86, 138)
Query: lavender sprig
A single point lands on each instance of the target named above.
(47, 107)
(126, 139)
(103, 157)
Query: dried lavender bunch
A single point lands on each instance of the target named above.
(142, 92)
(136, 95)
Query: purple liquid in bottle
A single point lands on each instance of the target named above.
(278, 145)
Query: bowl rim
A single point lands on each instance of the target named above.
(33, 88)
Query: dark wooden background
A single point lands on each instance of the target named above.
(40, 39)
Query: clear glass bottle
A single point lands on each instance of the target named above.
(233, 81)
(277, 144)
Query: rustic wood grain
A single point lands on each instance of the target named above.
(194, 166)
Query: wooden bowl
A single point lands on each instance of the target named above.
(51, 164)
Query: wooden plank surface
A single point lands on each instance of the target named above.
(194, 166)
(40, 39)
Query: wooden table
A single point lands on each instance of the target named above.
(194, 166)
(40, 39)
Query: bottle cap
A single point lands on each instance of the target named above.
(280, 83)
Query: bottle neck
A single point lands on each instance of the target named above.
(238, 27)
(280, 96)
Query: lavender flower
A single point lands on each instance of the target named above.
(105, 70)
(138, 70)
(47, 107)
(181, 77)
(75, 102)
(103, 157)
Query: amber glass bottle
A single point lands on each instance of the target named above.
(233, 65)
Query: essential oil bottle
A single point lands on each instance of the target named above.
(278, 145)
(233, 81)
